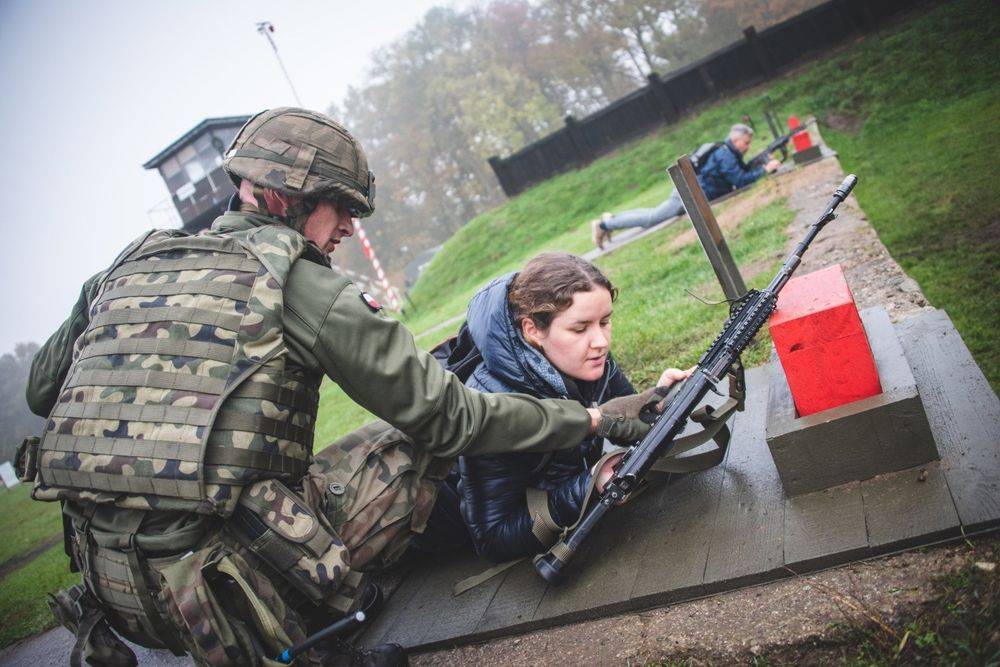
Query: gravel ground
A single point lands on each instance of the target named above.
(873, 275)
(734, 627)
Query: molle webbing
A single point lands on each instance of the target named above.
(257, 460)
(283, 430)
(159, 347)
(244, 264)
(142, 480)
(151, 379)
(138, 447)
(304, 401)
(167, 314)
(184, 402)
(206, 243)
(224, 290)
(171, 414)
(116, 572)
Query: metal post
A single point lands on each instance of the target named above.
(709, 233)
(266, 28)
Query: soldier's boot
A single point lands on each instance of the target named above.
(96, 643)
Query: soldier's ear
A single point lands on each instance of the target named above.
(277, 202)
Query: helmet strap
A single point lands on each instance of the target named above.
(296, 214)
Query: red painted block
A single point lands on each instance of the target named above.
(821, 342)
(801, 141)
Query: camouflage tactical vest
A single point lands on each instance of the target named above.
(178, 395)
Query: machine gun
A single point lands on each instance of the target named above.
(779, 143)
(748, 314)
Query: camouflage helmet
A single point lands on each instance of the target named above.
(304, 154)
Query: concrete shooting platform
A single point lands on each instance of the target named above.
(733, 525)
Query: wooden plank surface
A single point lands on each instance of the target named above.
(396, 605)
(964, 414)
(516, 599)
(676, 535)
(908, 507)
(602, 575)
(615, 558)
(825, 528)
(450, 616)
(748, 533)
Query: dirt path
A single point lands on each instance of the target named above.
(873, 275)
(794, 617)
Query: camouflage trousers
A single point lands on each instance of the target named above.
(236, 590)
(377, 489)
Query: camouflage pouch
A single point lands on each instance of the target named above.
(377, 489)
(227, 613)
(277, 525)
(26, 461)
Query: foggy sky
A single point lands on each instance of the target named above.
(91, 90)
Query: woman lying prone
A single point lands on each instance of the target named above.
(545, 331)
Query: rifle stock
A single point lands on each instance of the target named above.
(747, 317)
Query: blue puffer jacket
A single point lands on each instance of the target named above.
(492, 488)
(725, 171)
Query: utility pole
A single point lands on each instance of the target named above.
(266, 28)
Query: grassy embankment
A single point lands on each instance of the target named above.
(910, 110)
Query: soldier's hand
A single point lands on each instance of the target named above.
(627, 418)
(772, 166)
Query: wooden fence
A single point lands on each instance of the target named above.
(756, 58)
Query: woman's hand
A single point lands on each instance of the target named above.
(607, 471)
(672, 375)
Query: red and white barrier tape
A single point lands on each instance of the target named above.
(391, 295)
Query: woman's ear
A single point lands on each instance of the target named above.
(531, 333)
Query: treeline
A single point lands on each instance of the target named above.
(16, 421)
(465, 84)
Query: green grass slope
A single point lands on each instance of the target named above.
(910, 110)
(25, 523)
(30, 569)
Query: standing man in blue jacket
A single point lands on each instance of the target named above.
(723, 172)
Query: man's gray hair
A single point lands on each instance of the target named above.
(741, 130)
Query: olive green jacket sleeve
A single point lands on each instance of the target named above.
(51, 362)
(375, 361)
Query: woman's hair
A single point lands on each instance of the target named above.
(546, 285)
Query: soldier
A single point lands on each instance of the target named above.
(181, 397)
